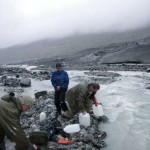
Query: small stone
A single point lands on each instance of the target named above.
(87, 138)
(25, 126)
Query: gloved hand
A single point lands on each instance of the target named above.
(95, 102)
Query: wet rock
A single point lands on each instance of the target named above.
(45, 75)
(87, 138)
(148, 69)
(61, 147)
(10, 82)
(88, 147)
(80, 144)
(27, 114)
(42, 93)
(103, 118)
(25, 82)
(100, 135)
(25, 126)
(17, 76)
(83, 147)
(52, 145)
(100, 118)
(83, 131)
(73, 146)
(98, 144)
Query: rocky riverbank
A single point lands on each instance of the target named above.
(87, 138)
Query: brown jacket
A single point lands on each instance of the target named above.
(10, 123)
(78, 98)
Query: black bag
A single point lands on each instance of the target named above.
(54, 129)
(38, 138)
(64, 106)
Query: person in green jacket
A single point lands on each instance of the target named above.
(80, 98)
(10, 109)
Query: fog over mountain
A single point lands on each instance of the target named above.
(32, 29)
(24, 21)
(47, 48)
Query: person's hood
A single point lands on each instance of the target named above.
(26, 100)
(6, 97)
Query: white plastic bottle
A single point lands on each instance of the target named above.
(98, 110)
(84, 119)
(72, 128)
(42, 116)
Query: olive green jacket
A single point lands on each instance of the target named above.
(78, 99)
(10, 123)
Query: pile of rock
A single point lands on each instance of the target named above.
(88, 138)
(10, 82)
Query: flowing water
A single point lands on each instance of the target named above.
(126, 102)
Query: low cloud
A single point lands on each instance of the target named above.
(29, 20)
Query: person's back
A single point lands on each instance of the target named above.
(10, 110)
(80, 98)
(76, 93)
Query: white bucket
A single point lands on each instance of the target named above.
(72, 128)
(98, 110)
(84, 119)
(42, 116)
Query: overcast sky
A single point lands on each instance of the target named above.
(24, 21)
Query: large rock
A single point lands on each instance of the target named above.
(39, 94)
(25, 82)
(148, 69)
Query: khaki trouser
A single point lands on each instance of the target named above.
(72, 110)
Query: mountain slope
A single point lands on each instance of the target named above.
(48, 47)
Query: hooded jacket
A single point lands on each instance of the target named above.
(10, 122)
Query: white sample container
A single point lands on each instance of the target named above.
(42, 116)
(72, 128)
(98, 110)
(84, 119)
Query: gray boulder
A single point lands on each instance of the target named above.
(148, 69)
(25, 82)
(39, 94)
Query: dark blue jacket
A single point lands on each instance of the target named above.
(60, 78)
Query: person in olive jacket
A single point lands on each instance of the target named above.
(80, 98)
(60, 82)
(10, 110)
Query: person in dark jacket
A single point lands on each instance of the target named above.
(10, 110)
(60, 82)
(80, 98)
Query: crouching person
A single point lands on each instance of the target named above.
(10, 109)
(80, 98)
